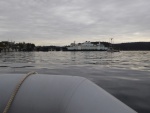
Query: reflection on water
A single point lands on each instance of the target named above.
(139, 60)
(123, 74)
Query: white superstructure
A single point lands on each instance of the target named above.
(87, 46)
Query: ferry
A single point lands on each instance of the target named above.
(87, 46)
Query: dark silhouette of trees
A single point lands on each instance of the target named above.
(133, 46)
(106, 44)
(25, 46)
(49, 48)
(22, 46)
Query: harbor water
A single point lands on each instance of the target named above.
(125, 74)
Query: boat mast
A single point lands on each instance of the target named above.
(111, 43)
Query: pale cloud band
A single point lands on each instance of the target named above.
(60, 22)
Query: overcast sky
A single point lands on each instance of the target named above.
(60, 22)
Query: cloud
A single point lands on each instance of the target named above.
(75, 14)
(64, 21)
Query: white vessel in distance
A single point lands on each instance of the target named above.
(87, 46)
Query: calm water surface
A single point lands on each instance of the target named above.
(123, 60)
(123, 74)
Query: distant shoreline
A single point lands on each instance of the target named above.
(6, 46)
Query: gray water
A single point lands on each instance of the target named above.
(123, 74)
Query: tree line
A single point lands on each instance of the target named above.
(133, 46)
(22, 46)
